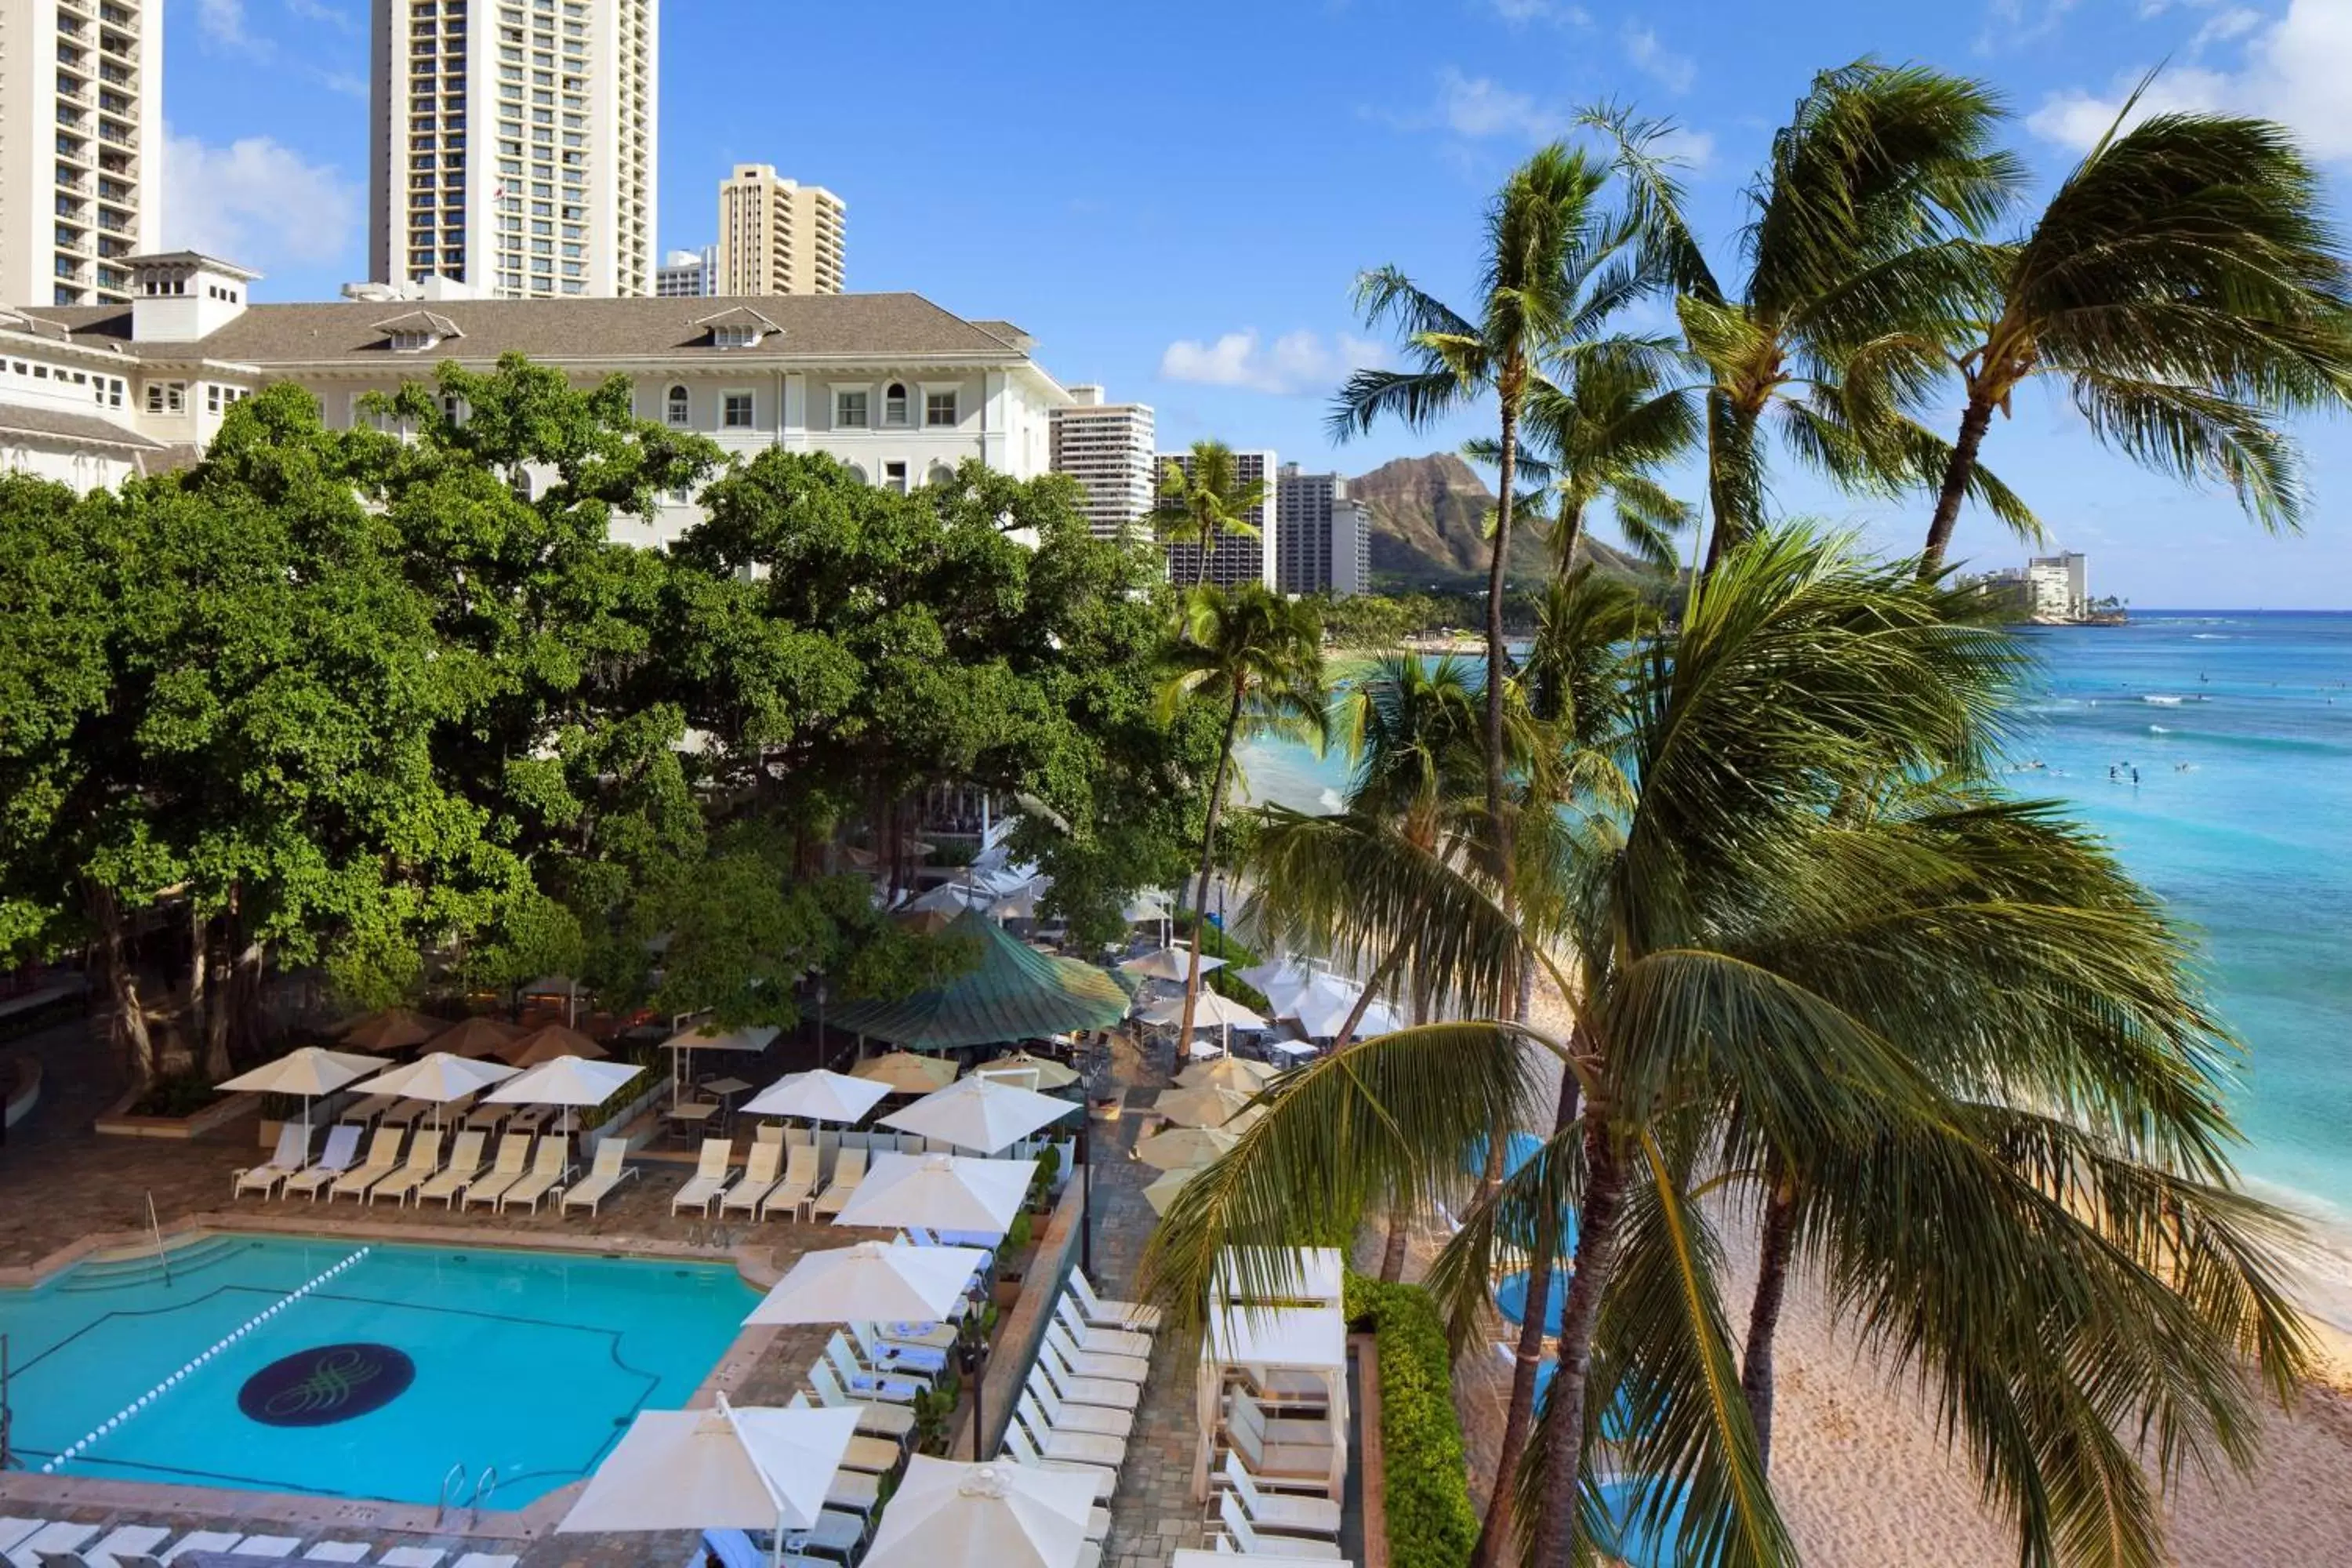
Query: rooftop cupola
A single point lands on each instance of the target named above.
(184, 296)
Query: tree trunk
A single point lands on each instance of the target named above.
(1372, 987)
(200, 953)
(1498, 656)
(1779, 1243)
(1392, 1254)
(245, 1023)
(1726, 428)
(1495, 1534)
(1596, 1265)
(129, 1018)
(1208, 857)
(1564, 536)
(1962, 468)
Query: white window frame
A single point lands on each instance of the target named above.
(954, 394)
(677, 406)
(905, 401)
(897, 483)
(865, 395)
(167, 397)
(727, 409)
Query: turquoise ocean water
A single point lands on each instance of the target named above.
(2239, 726)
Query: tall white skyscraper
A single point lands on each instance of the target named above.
(1107, 447)
(514, 146)
(82, 146)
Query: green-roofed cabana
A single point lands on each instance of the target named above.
(1014, 992)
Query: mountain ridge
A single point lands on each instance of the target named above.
(1429, 517)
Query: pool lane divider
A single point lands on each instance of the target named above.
(220, 1346)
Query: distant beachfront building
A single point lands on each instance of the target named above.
(81, 143)
(1322, 540)
(1108, 448)
(890, 383)
(780, 236)
(1236, 558)
(687, 274)
(2058, 587)
(514, 148)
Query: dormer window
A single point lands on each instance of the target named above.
(739, 328)
(735, 337)
(417, 333)
(413, 343)
(894, 405)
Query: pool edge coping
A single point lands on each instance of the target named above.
(755, 1265)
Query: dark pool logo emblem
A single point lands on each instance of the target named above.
(322, 1386)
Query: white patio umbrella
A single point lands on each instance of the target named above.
(566, 1082)
(944, 1192)
(819, 1096)
(1227, 1072)
(1020, 903)
(980, 1113)
(871, 1281)
(1051, 1074)
(313, 1071)
(438, 1078)
(1162, 1192)
(948, 898)
(906, 1073)
(1209, 1106)
(1183, 1146)
(724, 1468)
(1324, 1005)
(1170, 962)
(1002, 1515)
(1285, 975)
(1210, 1010)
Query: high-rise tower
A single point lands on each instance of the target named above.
(81, 143)
(778, 236)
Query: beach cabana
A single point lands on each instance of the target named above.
(1013, 993)
(981, 1114)
(1250, 1342)
(392, 1029)
(547, 1043)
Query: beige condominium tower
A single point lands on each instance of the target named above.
(514, 146)
(81, 145)
(779, 237)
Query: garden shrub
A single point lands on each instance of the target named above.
(1426, 1478)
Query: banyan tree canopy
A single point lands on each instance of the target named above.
(1014, 992)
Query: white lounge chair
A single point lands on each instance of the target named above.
(1067, 1418)
(873, 1456)
(49, 1544)
(606, 1172)
(1102, 1313)
(1277, 1451)
(1246, 1536)
(848, 1170)
(897, 1357)
(293, 1147)
(551, 1167)
(1017, 1443)
(126, 1546)
(465, 1165)
(201, 1541)
(337, 1551)
(710, 1179)
(1095, 1363)
(512, 1163)
(274, 1547)
(382, 1159)
(343, 1148)
(1101, 1341)
(876, 1417)
(1054, 1443)
(1279, 1512)
(757, 1180)
(860, 1381)
(424, 1160)
(799, 1185)
(1112, 1392)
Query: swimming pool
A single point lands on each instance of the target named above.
(371, 1384)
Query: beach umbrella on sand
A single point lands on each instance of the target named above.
(943, 1192)
(906, 1073)
(1183, 1146)
(1162, 1192)
(1051, 1074)
(983, 1114)
(1003, 1515)
(438, 1078)
(1207, 1107)
(547, 1043)
(392, 1029)
(1170, 962)
(818, 1096)
(725, 1469)
(476, 1037)
(566, 1082)
(1227, 1072)
(313, 1071)
(872, 1280)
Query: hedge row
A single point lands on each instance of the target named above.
(1426, 1481)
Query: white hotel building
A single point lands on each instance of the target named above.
(890, 383)
(81, 143)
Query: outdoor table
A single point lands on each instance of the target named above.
(693, 1114)
(725, 1087)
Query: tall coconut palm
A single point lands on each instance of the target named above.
(1261, 657)
(2185, 284)
(1756, 964)
(1202, 499)
(1856, 260)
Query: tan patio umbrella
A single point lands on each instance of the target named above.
(547, 1043)
(475, 1038)
(1183, 1146)
(1207, 1107)
(1162, 1192)
(908, 1073)
(1227, 1072)
(392, 1029)
(1051, 1074)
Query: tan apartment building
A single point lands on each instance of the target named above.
(778, 237)
(81, 145)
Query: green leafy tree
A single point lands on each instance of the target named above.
(1202, 502)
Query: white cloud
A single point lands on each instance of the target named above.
(1670, 70)
(223, 22)
(1693, 149)
(1293, 363)
(256, 202)
(1518, 12)
(2291, 70)
(1480, 107)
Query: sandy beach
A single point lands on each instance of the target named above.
(1865, 1481)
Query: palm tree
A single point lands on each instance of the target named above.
(2185, 283)
(1205, 498)
(1261, 655)
(1856, 255)
(1757, 964)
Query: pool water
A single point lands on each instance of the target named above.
(373, 1384)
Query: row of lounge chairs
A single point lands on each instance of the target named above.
(44, 1543)
(528, 1170)
(762, 1192)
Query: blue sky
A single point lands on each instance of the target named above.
(1175, 199)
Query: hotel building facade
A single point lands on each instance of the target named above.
(81, 145)
(1109, 447)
